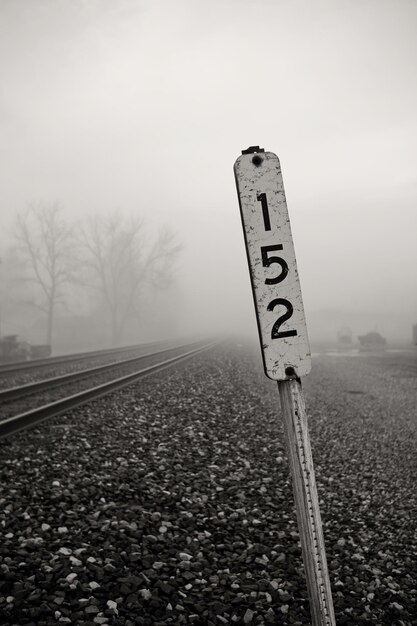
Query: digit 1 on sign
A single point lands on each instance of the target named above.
(262, 198)
(285, 348)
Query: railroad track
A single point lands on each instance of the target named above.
(52, 361)
(97, 382)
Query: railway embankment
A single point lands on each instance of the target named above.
(169, 502)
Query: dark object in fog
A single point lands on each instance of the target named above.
(372, 341)
(11, 350)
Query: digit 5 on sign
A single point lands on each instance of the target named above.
(274, 277)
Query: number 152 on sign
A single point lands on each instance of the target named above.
(272, 265)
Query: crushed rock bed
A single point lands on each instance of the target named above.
(169, 502)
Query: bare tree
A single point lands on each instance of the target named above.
(44, 246)
(123, 265)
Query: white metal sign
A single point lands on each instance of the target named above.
(272, 265)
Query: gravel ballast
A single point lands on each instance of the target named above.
(170, 502)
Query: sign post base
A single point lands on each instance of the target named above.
(306, 502)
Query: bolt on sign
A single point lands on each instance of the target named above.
(285, 349)
(273, 268)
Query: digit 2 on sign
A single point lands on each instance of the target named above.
(275, 283)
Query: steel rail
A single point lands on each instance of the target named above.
(30, 418)
(14, 393)
(17, 366)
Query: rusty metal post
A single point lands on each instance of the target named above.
(306, 502)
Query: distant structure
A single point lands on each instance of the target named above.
(344, 336)
(415, 334)
(372, 341)
(11, 349)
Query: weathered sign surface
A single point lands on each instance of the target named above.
(272, 265)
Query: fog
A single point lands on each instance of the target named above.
(143, 106)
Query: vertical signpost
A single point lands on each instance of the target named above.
(285, 348)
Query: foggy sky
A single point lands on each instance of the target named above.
(144, 105)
